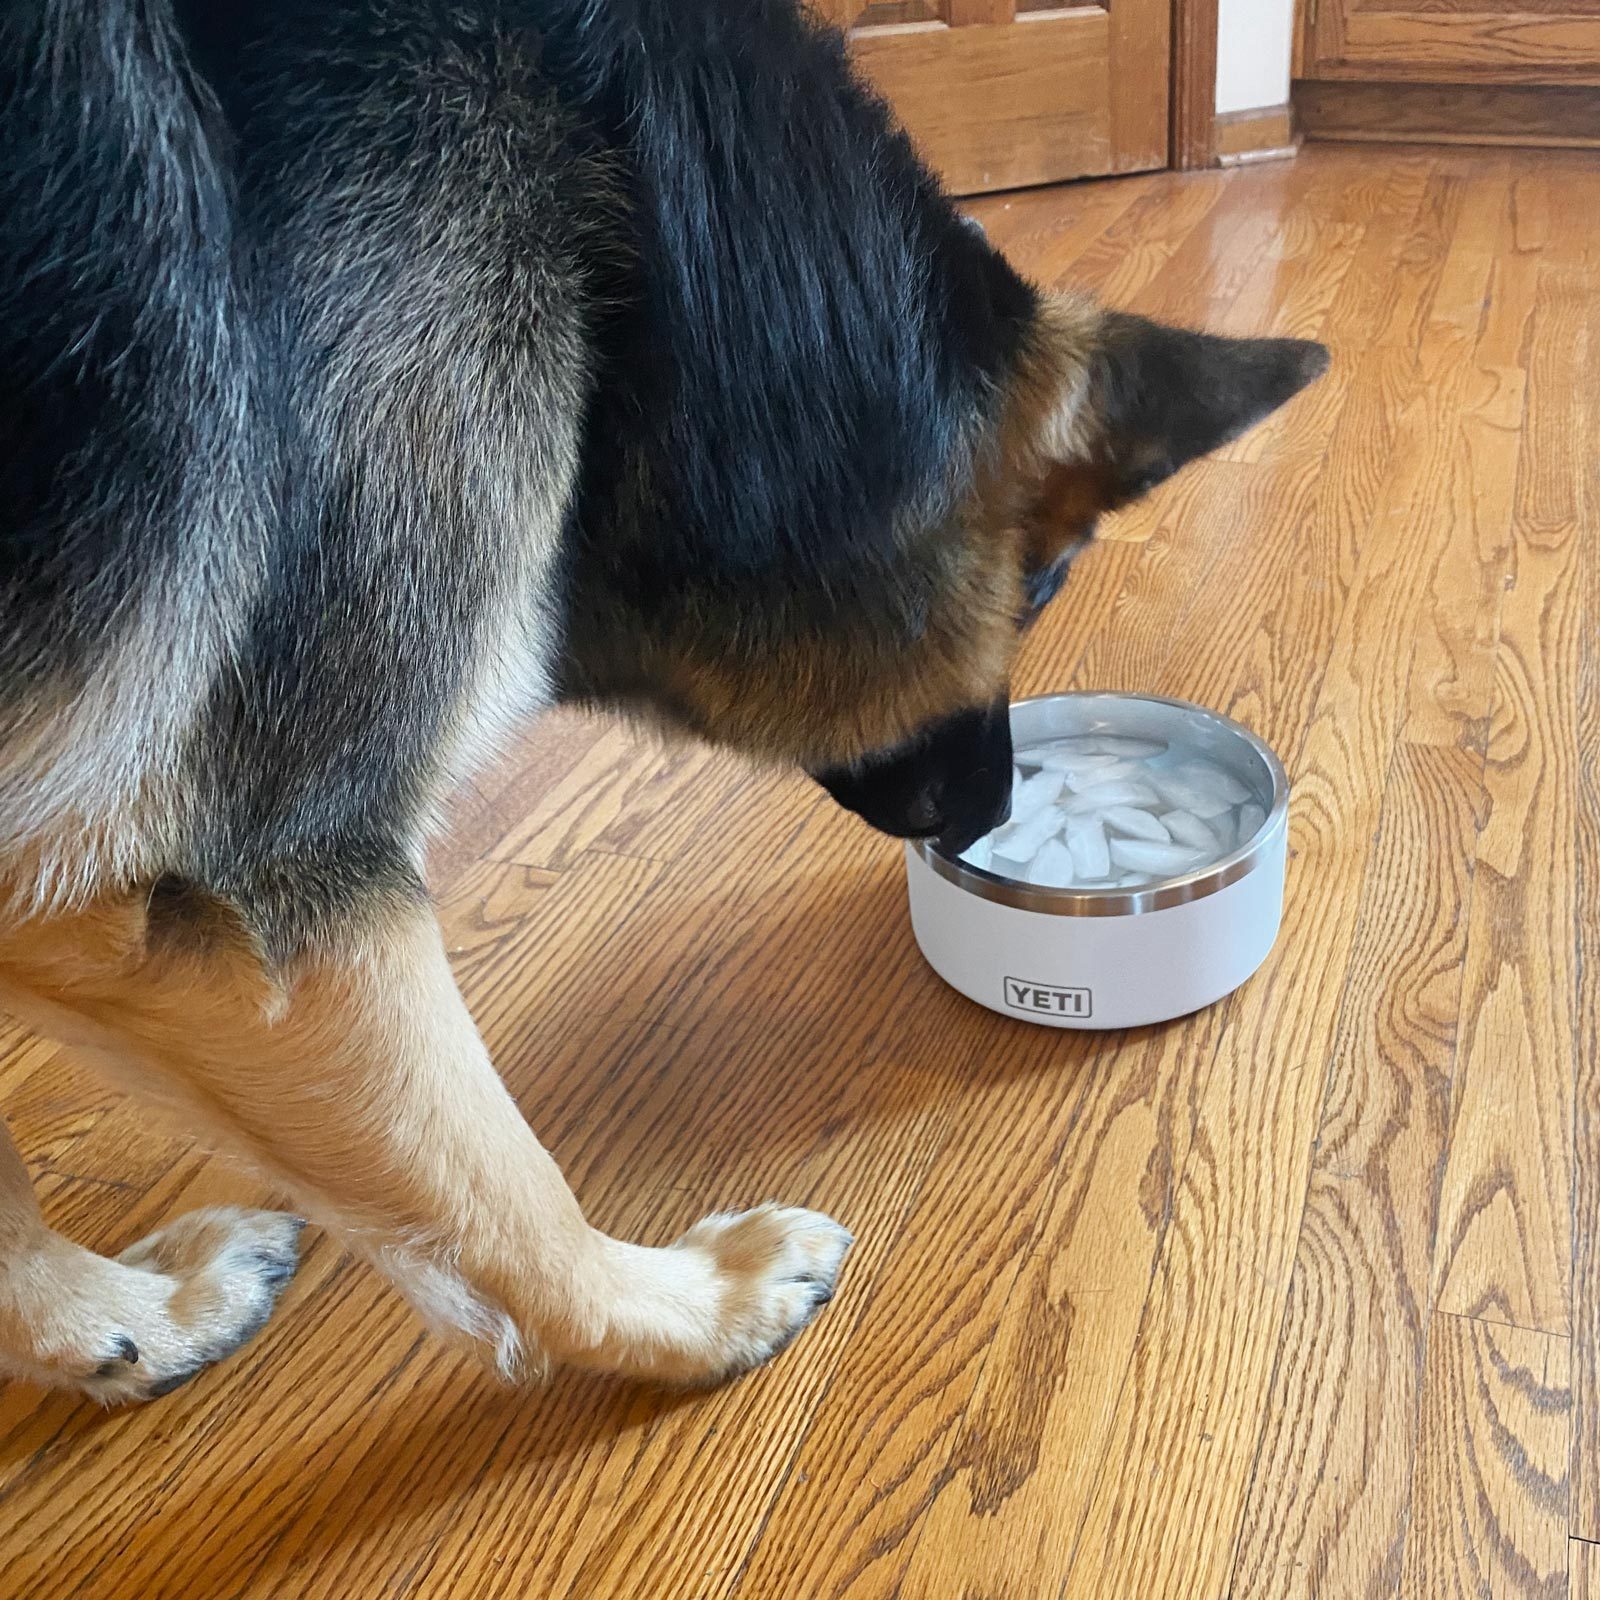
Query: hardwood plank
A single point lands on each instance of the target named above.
(1219, 255)
(1291, 289)
(496, 799)
(1452, 666)
(1332, 290)
(1585, 1511)
(1504, 1247)
(1337, 1442)
(682, 1518)
(1031, 1449)
(1337, 1448)
(1050, 655)
(1489, 1509)
(1164, 634)
(1583, 1560)
(894, 1418)
(1370, 290)
(1456, 643)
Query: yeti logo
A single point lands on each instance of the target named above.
(1023, 996)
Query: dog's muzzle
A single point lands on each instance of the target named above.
(952, 782)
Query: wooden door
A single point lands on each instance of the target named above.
(1454, 41)
(1004, 93)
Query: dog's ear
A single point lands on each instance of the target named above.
(1106, 405)
(1159, 396)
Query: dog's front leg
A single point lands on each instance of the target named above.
(362, 1086)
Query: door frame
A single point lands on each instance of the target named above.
(1192, 119)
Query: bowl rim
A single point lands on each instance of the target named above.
(1251, 856)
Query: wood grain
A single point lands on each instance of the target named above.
(1561, 116)
(974, 13)
(1296, 1298)
(1266, 134)
(1338, 1436)
(1194, 131)
(1452, 41)
(1201, 1370)
(999, 96)
(1583, 1559)
(1504, 1247)
(1489, 1508)
(1577, 247)
(1051, 79)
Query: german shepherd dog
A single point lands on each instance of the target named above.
(374, 373)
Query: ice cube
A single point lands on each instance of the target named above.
(1217, 780)
(1131, 749)
(1182, 794)
(1226, 829)
(1131, 880)
(1032, 795)
(1187, 828)
(1252, 819)
(1086, 839)
(1135, 824)
(1052, 868)
(1074, 763)
(1077, 745)
(1124, 792)
(1060, 750)
(1019, 841)
(1115, 772)
(1144, 855)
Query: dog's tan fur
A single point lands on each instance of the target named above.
(358, 1083)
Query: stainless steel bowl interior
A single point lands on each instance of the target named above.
(1216, 737)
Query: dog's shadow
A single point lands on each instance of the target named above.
(754, 1029)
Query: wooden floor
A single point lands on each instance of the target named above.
(1300, 1297)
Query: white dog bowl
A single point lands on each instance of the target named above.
(1112, 958)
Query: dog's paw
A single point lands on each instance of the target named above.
(199, 1289)
(776, 1267)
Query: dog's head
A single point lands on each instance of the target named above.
(1102, 407)
(880, 663)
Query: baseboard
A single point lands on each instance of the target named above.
(1266, 134)
(1416, 113)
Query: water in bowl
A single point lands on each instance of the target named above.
(1106, 811)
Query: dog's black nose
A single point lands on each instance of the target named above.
(952, 782)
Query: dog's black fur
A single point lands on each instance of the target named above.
(371, 370)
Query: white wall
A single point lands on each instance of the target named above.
(1253, 53)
